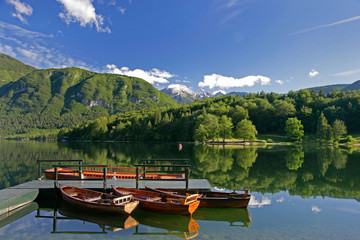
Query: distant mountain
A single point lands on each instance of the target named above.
(219, 93)
(201, 94)
(12, 69)
(353, 86)
(180, 93)
(55, 98)
(241, 94)
(184, 94)
(329, 88)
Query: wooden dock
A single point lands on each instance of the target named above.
(23, 194)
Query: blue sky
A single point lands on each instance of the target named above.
(230, 45)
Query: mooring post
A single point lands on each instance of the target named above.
(187, 177)
(39, 170)
(144, 169)
(137, 177)
(56, 177)
(105, 168)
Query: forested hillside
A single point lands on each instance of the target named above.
(55, 98)
(12, 69)
(268, 112)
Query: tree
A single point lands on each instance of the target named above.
(238, 113)
(225, 127)
(338, 129)
(323, 129)
(294, 129)
(246, 130)
(200, 134)
(211, 124)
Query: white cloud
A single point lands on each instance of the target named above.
(280, 200)
(313, 73)
(84, 12)
(153, 76)
(8, 50)
(121, 9)
(347, 73)
(21, 8)
(279, 82)
(216, 80)
(32, 48)
(315, 209)
(256, 203)
(329, 25)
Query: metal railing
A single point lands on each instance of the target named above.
(184, 169)
(56, 173)
(58, 161)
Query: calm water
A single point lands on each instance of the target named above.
(298, 193)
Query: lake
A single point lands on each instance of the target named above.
(298, 192)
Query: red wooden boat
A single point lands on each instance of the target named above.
(161, 203)
(97, 201)
(111, 172)
(210, 198)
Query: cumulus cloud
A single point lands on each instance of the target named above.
(216, 80)
(21, 8)
(313, 73)
(280, 200)
(279, 82)
(153, 76)
(121, 9)
(259, 203)
(315, 209)
(82, 11)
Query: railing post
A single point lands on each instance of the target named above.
(105, 168)
(80, 170)
(187, 177)
(56, 177)
(144, 170)
(137, 177)
(39, 170)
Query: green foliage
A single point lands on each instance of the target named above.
(338, 129)
(294, 129)
(323, 130)
(246, 130)
(225, 127)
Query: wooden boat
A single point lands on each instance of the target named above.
(111, 172)
(161, 203)
(97, 201)
(210, 198)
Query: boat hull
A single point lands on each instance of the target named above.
(159, 206)
(211, 199)
(68, 191)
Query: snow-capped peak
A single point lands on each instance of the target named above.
(178, 88)
(219, 93)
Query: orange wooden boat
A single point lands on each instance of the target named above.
(210, 198)
(111, 172)
(161, 203)
(97, 201)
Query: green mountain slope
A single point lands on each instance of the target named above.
(329, 88)
(56, 98)
(12, 69)
(353, 86)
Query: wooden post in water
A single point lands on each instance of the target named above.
(137, 177)
(39, 170)
(104, 168)
(56, 177)
(187, 177)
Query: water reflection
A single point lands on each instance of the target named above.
(302, 170)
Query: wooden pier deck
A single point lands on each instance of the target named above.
(22, 194)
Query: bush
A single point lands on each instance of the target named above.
(270, 141)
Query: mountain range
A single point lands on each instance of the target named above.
(33, 98)
(46, 96)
